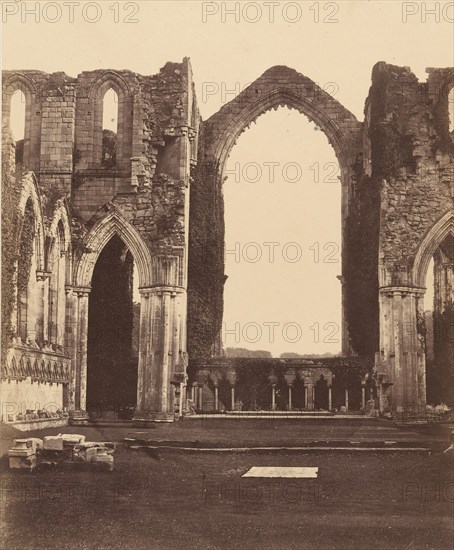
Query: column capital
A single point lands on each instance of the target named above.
(394, 290)
(43, 275)
(161, 290)
(81, 290)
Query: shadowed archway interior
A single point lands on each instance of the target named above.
(112, 359)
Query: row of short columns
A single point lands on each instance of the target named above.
(197, 396)
(309, 396)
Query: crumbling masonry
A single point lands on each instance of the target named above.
(158, 201)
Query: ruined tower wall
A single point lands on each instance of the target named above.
(143, 198)
(412, 161)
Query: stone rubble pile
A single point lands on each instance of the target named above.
(57, 449)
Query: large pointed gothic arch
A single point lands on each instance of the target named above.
(113, 223)
(281, 86)
(278, 86)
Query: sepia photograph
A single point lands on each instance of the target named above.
(227, 275)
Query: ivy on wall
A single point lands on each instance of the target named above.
(361, 269)
(388, 155)
(10, 225)
(206, 264)
(26, 246)
(348, 370)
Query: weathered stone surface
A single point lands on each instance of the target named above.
(76, 191)
(23, 454)
(53, 443)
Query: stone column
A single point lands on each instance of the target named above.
(346, 399)
(80, 348)
(216, 398)
(182, 398)
(201, 378)
(310, 395)
(215, 376)
(272, 378)
(402, 356)
(290, 377)
(43, 282)
(158, 354)
(70, 343)
(273, 397)
(363, 396)
(330, 398)
(200, 405)
(231, 377)
(306, 406)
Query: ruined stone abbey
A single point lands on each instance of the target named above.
(81, 207)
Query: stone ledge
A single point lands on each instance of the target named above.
(38, 424)
(141, 419)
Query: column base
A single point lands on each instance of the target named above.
(79, 418)
(144, 417)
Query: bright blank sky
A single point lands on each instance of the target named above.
(225, 57)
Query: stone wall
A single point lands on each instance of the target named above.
(412, 162)
(143, 198)
(412, 157)
(162, 196)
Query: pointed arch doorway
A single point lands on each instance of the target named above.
(112, 358)
(106, 362)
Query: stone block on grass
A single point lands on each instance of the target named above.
(71, 440)
(53, 443)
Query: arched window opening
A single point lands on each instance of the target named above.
(282, 240)
(321, 394)
(17, 123)
(27, 257)
(439, 324)
(57, 295)
(113, 325)
(109, 129)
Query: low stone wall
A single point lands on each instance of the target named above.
(34, 384)
(40, 424)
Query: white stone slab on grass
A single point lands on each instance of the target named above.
(283, 471)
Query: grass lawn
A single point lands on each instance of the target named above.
(173, 499)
